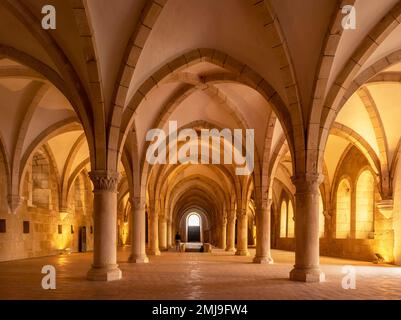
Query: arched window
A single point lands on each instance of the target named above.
(194, 221)
(290, 223)
(364, 213)
(194, 228)
(343, 216)
(41, 189)
(79, 203)
(321, 216)
(283, 220)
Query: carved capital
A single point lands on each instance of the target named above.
(105, 180)
(307, 182)
(14, 201)
(386, 207)
(138, 203)
(265, 204)
(241, 213)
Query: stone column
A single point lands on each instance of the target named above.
(138, 230)
(263, 232)
(230, 234)
(162, 233)
(169, 237)
(307, 229)
(153, 234)
(104, 267)
(223, 233)
(242, 233)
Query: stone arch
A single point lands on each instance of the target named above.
(291, 220)
(77, 99)
(326, 61)
(240, 73)
(145, 166)
(149, 16)
(359, 142)
(343, 208)
(96, 94)
(38, 90)
(81, 167)
(284, 199)
(221, 172)
(5, 157)
(276, 38)
(283, 219)
(381, 138)
(67, 169)
(337, 94)
(364, 204)
(54, 130)
(41, 179)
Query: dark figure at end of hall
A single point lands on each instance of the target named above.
(177, 242)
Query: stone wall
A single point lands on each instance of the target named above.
(50, 231)
(356, 243)
(396, 221)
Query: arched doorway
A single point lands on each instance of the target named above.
(194, 228)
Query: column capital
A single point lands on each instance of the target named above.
(105, 180)
(14, 201)
(138, 203)
(307, 182)
(241, 213)
(264, 204)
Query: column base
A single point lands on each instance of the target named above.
(154, 253)
(230, 249)
(307, 275)
(138, 259)
(105, 273)
(263, 260)
(244, 253)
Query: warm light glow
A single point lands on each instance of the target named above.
(291, 222)
(364, 206)
(193, 220)
(283, 220)
(321, 217)
(343, 217)
(124, 233)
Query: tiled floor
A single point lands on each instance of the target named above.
(196, 276)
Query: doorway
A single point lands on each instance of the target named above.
(82, 239)
(194, 228)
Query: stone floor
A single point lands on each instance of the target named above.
(218, 275)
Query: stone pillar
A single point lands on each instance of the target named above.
(138, 230)
(14, 202)
(230, 234)
(104, 267)
(162, 233)
(307, 228)
(153, 234)
(263, 232)
(223, 238)
(242, 233)
(169, 236)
